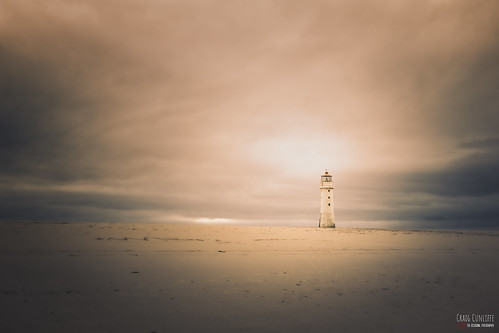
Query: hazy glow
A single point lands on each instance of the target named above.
(299, 155)
(213, 220)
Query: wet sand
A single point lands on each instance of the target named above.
(104, 277)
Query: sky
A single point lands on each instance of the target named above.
(229, 111)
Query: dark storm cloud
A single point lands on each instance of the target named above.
(467, 186)
(47, 205)
(475, 175)
(34, 140)
(465, 191)
(488, 144)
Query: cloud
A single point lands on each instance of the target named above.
(474, 175)
(231, 110)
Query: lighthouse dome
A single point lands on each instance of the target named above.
(326, 177)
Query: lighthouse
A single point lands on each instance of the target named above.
(326, 219)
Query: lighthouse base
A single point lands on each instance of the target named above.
(326, 221)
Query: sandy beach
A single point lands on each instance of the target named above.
(105, 277)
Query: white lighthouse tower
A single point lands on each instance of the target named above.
(327, 209)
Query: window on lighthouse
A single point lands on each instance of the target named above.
(329, 204)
